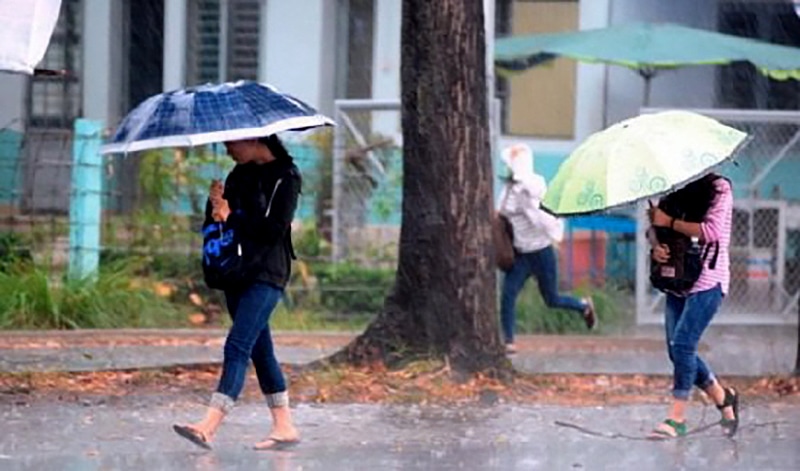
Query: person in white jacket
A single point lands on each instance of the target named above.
(534, 233)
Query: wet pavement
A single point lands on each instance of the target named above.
(746, 351)
(133, 357)
(133, 433)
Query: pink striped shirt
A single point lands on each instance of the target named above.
(717, 228)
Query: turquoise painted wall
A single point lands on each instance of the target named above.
(10, 172)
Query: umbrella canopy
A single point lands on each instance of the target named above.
(26, 31)
(639, 158)
(212, 113)
(647, 47)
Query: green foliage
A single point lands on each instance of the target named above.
(167, 176)
(156, 179)
(31, 299)
(350, 288)
(308, 242)
(13, 250)
(534, 317)
(299, 319)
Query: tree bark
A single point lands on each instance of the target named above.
(444, 299)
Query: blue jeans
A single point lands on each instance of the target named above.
(686, 320)
(542, 265)
(249, 338)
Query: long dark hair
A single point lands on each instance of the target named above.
(692, 202)
(275, 146)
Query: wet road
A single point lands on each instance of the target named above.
(134, 434)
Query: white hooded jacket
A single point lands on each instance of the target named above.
(520, 201)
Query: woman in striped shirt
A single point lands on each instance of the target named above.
(708, 200)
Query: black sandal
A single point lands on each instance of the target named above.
(194, 436)
(731, 400)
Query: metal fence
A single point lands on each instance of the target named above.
(34, 194)
(152, 208)
(765, 243)
(347, 225)
(367, 181)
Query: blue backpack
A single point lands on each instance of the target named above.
(225, 257)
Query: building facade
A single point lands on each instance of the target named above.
(121, 51)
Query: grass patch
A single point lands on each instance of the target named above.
(33, 298)
(534, 317)
(307, 320)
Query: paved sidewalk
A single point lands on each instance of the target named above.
(744, 351)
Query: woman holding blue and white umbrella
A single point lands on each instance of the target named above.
(263, 167)
(252, 215)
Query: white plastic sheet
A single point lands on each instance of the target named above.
(25, 33)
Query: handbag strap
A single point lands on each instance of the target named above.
(506, 196)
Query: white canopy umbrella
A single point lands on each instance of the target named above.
(25, 34)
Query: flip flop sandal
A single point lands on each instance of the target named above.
(192, 435)
(731, 400)
(667, 430)
(278, 444)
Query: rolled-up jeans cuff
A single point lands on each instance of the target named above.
(709, 382)
(222, 402)
(681, 394)
(278, 399)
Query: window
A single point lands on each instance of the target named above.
(359, 48)
(354, 48)
(540, 101)
(55, 101)
(244, 24)
(222, 40)
(741, 85)
(203, 41)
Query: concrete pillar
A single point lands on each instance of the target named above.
(592, 79)
(102, 60)
(175, 21)
(85, 199)
(297, 49)
(12, 101)
(386, 63)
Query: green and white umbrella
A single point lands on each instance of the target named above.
(639, 158)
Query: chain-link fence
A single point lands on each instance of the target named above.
(367, 181)
(765, 239)
(152, 206)
(34, 195)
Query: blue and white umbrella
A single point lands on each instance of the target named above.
(212, 113)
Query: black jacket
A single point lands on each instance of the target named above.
(266, 238)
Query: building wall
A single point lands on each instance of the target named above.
(692, 87)
(299, 43)
(543, 98)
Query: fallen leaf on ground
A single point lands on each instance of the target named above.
(164, 290)
(376, 384)
(195, 299)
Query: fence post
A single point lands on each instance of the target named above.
(85, 202)
(337, 169)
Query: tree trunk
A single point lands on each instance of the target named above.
(444, 299)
